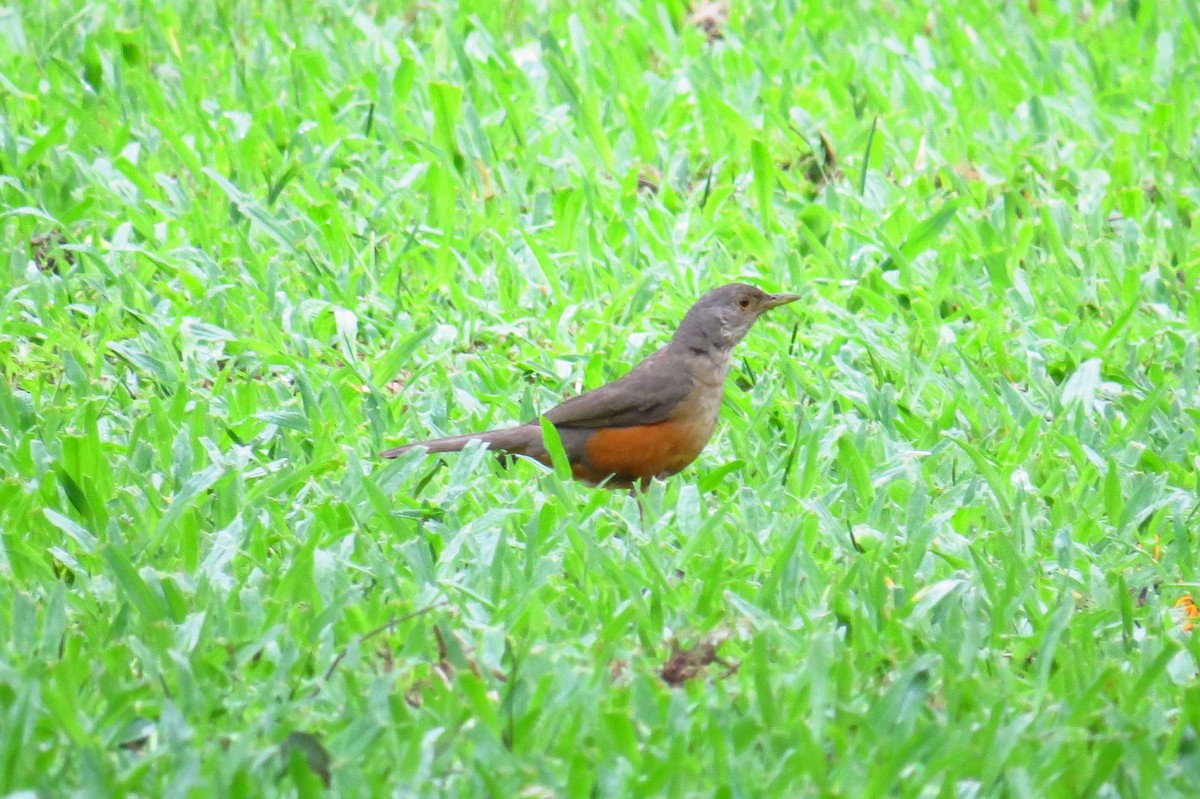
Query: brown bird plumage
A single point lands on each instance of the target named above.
(653, 421)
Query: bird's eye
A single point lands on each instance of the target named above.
(744, 302)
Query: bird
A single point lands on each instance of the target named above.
(652, 422)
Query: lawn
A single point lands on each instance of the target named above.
(943, 544)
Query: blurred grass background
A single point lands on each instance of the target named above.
(943, 543)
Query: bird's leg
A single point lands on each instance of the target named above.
(639, 490)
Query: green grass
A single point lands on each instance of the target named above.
(939, 536)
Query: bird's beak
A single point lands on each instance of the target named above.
(775, 300)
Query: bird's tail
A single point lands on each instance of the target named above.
(517, 440)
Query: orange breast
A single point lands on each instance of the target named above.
(637, 453)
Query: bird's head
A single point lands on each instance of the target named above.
(723, 316)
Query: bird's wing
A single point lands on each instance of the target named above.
(644, 396)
